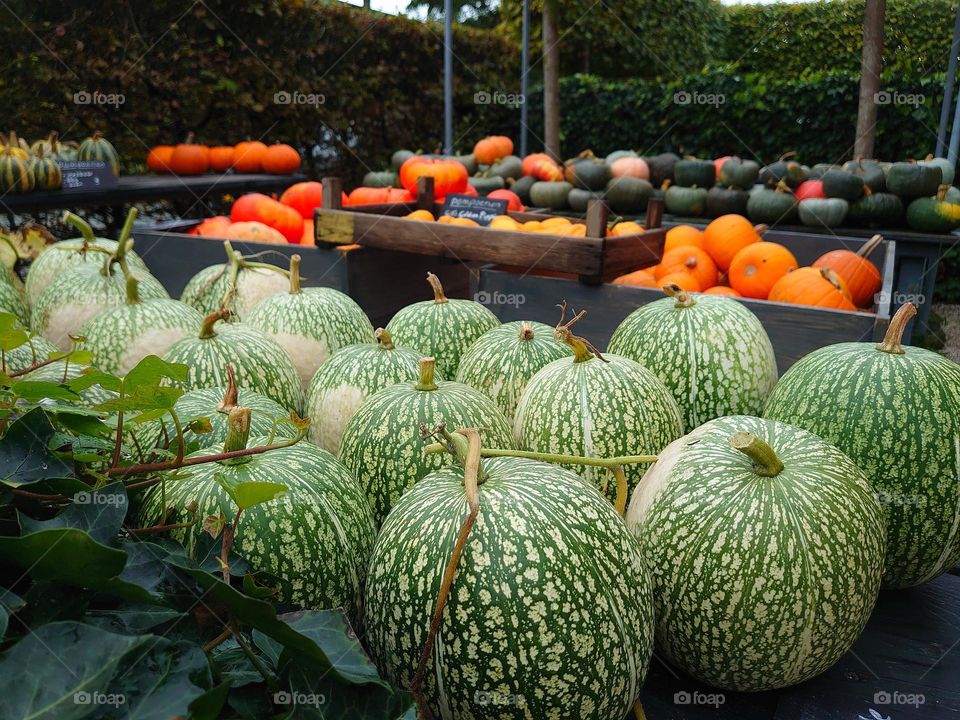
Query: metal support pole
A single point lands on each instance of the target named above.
(948, 87)
(448, 77)
(955, 135)
(524, 80)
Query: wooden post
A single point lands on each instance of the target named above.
(332, 199)
(425, 197)
(654, 214)
(597, 214)
(551, 80)
(870, 67)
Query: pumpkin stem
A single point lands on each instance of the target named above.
(894, 336)
(761, 229)
(238, 433)
(294, 274)
(831, 277)
(526, 331)
(119, 256)
(582, 349)
(782, 187)
(206, 328)
(384, 340)
(786, 155)
(83, 226)
(682, 296)
(765, 460)
(427, 367)
(438, 297)
(133, 287)
(942, 192)
(231, 394)
(870, 245)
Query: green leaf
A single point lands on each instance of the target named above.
(251, 494)
(151, 371)
(98, 512)
(36, 390)
(153, 397)
(91, 377)
(133, 619)
(24, 455)
(65, 555)
(234, 665)
(12, 333)
(209, 705)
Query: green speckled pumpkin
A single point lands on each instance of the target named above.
(597, 406)
(382, 445)
(310, 323)
(441, 328)
(710, 351)
(12, 298)
(238, 285)
(766, 548)
(259, 362)
(348, 378)
(550, 612)
(33, 352)
(317, 537)
(896, 412)
(502, 361)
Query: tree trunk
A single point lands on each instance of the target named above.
(870, 67)
(551, 81)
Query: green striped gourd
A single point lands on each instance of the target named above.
(441, 328)
(97, 147)
(215, 404)
(236, 285)
(119, 337)
(895, 411)
(75, 297)
(348, 378)
(47, 174)
(49, 145)
(33, 352)
(260, 363)
(550, 612)
(310, 323)
(15, 175)
(12, 297)
(382, 445)
(766, 547)
(711, 352)
(316, 538)
(597, 406)
(502, 361)
(67, 255)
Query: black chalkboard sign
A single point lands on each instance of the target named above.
(86, 174)
(479, 209)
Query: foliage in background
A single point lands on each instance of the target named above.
(760, 116)
(475, 13)
(215, 68)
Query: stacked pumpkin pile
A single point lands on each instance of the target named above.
(190, 158)
(730, 257)
(26, 167)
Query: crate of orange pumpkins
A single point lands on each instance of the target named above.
(807, 290)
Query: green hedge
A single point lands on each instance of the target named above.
(760, 115)
(216, 71)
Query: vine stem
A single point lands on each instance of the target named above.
(162, 528)
(471, 473)
(37, 366)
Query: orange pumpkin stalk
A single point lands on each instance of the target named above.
(861, 276)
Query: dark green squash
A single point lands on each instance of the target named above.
(738, 173)
(522, 188)
(842, 184)
(550, 194)
(871, 172)
(628, 194)
(692, 172)
(686, 201)
(772, 206)
(912, 180)
(661, 167)
(934, 214)
(947, 169)
(468, 161)
(485, 185)
(823, 212)
(380, 179)
(588, 174)
(399, 158)
(507, 167)
(880, 209)
(792, 172)
(579, 198)
(817, 171)
(727, 201)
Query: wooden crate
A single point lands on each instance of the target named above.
(593, 259)
(794, 330)
(381, 281)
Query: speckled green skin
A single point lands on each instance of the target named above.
(34, 351)
(597, 408)
(443, 330)
(79, 294)
(13, 300)
(347, 380)
(550, 613)
(759, 582)
(714, 356)
(898, 418)
(60, 372)
(121, 336)
(62, 257)
(203, 403)
(259, 363)
(501, 362)
(205, 290)
(317, 537)
(382, 445)
(311, 325)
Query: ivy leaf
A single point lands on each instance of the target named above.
(24, 453)
(133, 619)
(36, 390)
(91, 377)
(65, 555)
(98, 512)
(150, 372)
(12, 333)
(154, 397)
(208, 705)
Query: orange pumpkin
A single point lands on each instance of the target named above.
(449, 176)
(820, 287)
(212, 227)
(689, 259)
(627, 227)
(727, 235)
(492, 148)
(680, 235)
(189, 159)
(861, 276)
(281, 160)
(424, 215)
(304, 197)
(309, 237)
(685, 280)
(248, 156)
(758, 266)
(256, 207)
(376, 196)
(221, 158)
(158, 159)
(542, 167)
(630, 167)
(514, 203)
(722, 290)
(254, 231)
(638, 278)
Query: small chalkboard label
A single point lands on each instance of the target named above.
(86, 174)
(479, 209)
